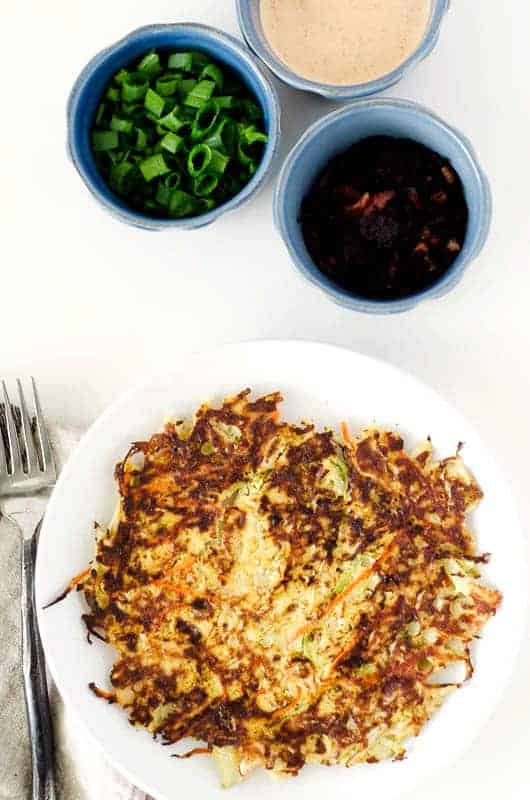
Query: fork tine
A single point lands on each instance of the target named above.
(27, 435)
(3, 456)
(13, 445)
(48, 462)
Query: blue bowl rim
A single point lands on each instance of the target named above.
(451, 277)
(258, 179)
(341, 92)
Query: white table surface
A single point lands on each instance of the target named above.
(104, 303)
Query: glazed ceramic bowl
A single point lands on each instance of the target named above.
(89, 87)
(333, 134)
(251, 28)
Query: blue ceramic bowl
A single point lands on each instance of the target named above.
(333, 135)
(250, 24)
(89, 87)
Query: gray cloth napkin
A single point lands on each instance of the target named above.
(82, 772)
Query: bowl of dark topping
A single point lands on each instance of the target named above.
(382, 205)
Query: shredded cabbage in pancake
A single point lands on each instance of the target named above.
(285, 595)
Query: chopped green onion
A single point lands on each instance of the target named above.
(230, 185)
(204, 185)
(120, 125)
(134, 110)
(122, 176)
(186, 86)
(199, 158)
(141, 139)
(113, 94)
(120, 76)
(225, 101)
(218, 162)
(105, 140)
(154, 103)
(249, 109)
(199, 60)
(166, 186)
(134, 87)
(173, 180)
(171, 142)
(182, 204)
(153, 167)
(100, 114)
(150, 65)
(113, 156)
(250, 145)
(214, 73)
(224, 136)
(167, 84)
(181, 61)
(171, 121)
(201, 92)
(162, 194)
(187, 113)
(205, 120)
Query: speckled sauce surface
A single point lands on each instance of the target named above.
(342, 42)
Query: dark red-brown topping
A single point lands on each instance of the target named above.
(386, 218)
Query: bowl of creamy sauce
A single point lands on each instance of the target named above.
(341, 49)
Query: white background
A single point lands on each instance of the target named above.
(89, 305)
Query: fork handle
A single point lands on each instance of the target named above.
(35, 687)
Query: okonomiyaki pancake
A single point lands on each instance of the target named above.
(284, 595)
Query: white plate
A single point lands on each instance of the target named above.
(329, 385)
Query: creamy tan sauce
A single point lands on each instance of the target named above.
(343, 42)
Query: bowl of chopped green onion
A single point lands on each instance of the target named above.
(172, 126)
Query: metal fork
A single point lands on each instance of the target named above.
(27, 468)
